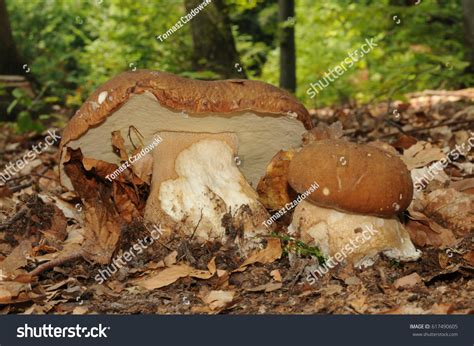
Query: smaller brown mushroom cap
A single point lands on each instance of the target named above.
(354, 178)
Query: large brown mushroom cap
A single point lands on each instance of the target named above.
(265, 118)
(184, 94)
(354, 178)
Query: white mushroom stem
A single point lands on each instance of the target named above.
(198, 190)
(357, 239)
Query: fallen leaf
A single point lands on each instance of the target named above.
(218, 299)
(271, 253)
(469, 257)
(273, 189)
(421, 154)
(426, 232)
(276, 275)
(17, 259)
(269, 287)
(465, 185)
(170, 275)
(102, 222)
(452, 209)
(408, 281)
(80, 310)
(170, 259)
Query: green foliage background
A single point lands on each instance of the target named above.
(72, 46)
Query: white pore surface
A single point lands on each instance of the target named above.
(260, 136)
(207, 176)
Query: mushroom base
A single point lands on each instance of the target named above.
(357, 239)
(198, 190)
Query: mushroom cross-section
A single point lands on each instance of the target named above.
(205, 128)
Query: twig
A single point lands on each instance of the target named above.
(430, 127)
(17, 216)
(195, 229)
(56, 262)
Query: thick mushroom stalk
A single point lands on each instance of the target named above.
(357, 239)
(198, 190)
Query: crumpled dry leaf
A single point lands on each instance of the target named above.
(271, 253)
(276, 275)
(465, 185)
(71, 245)
(142, 169)
(102, 222)
(421, 154)
(452, 209)
(126, 201)
(119, 145)
(323, 131)
(273, 188)
(170, 259)
(426, 232)
(437, 309)
(15, 292)
(408, 281)
(218, 299)
(17, 259)
(268, 287)
(469, 258)
(57, 231)
(172, 274)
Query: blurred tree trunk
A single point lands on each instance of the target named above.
(468, 13)
(213, 42)
(286, 15)
(10, 62)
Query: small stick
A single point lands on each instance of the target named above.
(56, 262)
(429, 127)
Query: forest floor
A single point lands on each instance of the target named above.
(40, 222)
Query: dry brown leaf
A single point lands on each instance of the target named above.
(102, 222)
(469, 257)
(276, 275)
(465, 185)
(12, 291)
(218, 299)
(323, 131)
(271, 253)
(269, 287)
(119, 145)
(80, 310)
(426, 232)
(172, 274)
(170, 259)
(273, 188)
(17, 259)
(57, 231)
(452, 209)
(408, 281)
(421, 154)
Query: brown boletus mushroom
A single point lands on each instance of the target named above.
(361, 188)
(216, 138)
